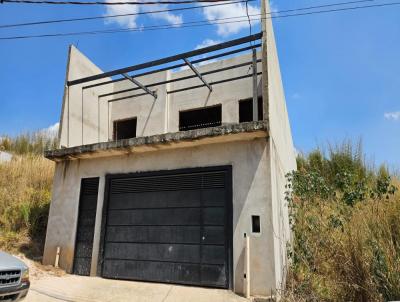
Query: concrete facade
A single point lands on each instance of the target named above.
(87, 116)
(260, 153)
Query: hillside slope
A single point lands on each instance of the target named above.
(345, 218)
(25, 193)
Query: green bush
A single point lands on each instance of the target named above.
(345, 219)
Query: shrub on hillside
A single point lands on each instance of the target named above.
(29, 143)
(345, 218)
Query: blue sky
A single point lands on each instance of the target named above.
(341, 71)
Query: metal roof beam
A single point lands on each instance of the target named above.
(223, 54)
(167, 59)
(185, 89)
(194, 69)
(153, 93)
(214, 83)
(179, 79)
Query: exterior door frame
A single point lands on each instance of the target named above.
(77, 220)
(229, 209)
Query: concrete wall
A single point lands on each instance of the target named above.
(84, 120)
(250, 197)
(88, 118)
(282, 153)
(150, 112)
(228, 94)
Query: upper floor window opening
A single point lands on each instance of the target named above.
(246, 110)
(124, 129)
(200, 118)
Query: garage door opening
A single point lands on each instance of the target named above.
(170, 226)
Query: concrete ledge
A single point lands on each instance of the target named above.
(221, 134)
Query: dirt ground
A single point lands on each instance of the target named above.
(38, 271)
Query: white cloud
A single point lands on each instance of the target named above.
(228, 11)
(131, 21)
(51, 131)
(128, 21)
(207, 42)
(395, 116)
(166, 16)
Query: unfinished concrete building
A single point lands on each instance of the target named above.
(163, 167)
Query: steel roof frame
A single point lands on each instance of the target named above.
(179, 79)
(177, 65)
(166, 60)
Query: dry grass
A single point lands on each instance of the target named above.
(345, 218)
(344, 253)
(25, 192)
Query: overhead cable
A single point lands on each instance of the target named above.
(197, 23)
(109, 3)
(118, 15)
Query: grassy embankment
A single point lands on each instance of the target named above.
(25, 192)
(345, 219)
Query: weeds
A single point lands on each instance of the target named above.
(345, 218)
(25, 192)
(29, 143)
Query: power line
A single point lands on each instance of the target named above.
(120, 15)
(197, 23)
(108, 3)
(175, 9)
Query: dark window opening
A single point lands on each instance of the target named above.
(125, 129)
(255, 224)
(246, 110)
(200, 118)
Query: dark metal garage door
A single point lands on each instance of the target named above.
(173, 227)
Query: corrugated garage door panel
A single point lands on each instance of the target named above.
(169, 228)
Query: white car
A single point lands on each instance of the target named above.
(14, 278)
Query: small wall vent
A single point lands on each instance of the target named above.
(255, 224)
